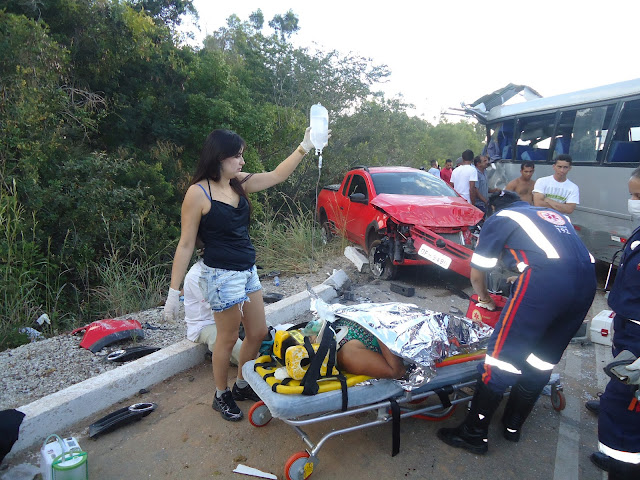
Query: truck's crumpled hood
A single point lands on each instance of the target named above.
(428, 211)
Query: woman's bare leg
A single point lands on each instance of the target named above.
(227, 324)
(255, 329)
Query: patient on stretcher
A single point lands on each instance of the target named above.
(360, 353)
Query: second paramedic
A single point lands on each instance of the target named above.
(619, 418)
(552, 295)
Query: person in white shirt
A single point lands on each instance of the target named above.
(557, 191)
(463, 175)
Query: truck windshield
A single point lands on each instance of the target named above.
(411, 183)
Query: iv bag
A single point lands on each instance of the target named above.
(319, 127)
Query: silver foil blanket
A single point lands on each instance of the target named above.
(421, 336)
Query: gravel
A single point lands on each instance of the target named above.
(43, 367)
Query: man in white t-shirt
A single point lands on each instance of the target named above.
(556, 191)
(463, 175)
(201, 327)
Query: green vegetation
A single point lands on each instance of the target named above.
(103, 112)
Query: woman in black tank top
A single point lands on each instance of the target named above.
(216, 210)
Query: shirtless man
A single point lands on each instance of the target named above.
(523, 185)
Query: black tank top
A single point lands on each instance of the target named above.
(225, 233)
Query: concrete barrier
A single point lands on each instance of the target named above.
(57, 412)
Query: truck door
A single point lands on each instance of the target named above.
(356, 212)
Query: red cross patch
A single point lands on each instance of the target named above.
(552, 217)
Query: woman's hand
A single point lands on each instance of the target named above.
(171, 305)
(306, 144)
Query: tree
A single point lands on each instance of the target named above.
(285, 25)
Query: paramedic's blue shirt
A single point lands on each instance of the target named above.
(624, 297)
(541, 236)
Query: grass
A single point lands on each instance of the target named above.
(289, 240)
(131, 280)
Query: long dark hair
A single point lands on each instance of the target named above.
(220, 144)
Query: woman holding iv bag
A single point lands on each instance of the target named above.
(216, 210)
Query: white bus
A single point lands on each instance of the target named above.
(599, 128)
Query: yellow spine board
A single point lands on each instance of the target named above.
(297, 362)
(283, 340)
(294, 387)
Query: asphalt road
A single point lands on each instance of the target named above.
(185, 438)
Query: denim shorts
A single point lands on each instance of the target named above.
(226, 288)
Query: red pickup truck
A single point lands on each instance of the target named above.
(400, 216)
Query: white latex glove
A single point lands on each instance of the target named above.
(306, 142)
(635, 365)
(172, 305)
(490, 305)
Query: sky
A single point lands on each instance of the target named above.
(442, 53)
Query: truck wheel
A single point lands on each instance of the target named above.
(382, 269)
(326, 234)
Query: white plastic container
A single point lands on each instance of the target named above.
(319, 127)
(601, 329)
(71, 467)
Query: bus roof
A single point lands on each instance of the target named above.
(606, 92)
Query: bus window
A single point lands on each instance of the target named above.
(582, 133)
(625, 145)
(535, 137)
(501, 142)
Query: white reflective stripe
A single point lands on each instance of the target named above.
(539, 363)
(511, 430)
(627, 457)
(483, 262)
(593, 260)
(635, 321)
(521, 267)
(507, 367)
(530, 229)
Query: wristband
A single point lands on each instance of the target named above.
(301, 150)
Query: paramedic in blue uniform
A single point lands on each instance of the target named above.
(553, 292)
(619, 418)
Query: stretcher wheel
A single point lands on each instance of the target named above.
(298, 467)
(558, 402)
(259, 414)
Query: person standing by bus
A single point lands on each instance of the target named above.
(549, 301)
(434, 170)
(479, 190)
(523, 185)
(557, 191)
(619, 416)
(463, 175)
(445, 173)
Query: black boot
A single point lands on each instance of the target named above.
(521, 401)
(623, 471)
(472, 434)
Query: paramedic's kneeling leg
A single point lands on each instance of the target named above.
(549, 302)
(201, 327)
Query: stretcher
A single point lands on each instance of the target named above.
(452, 385)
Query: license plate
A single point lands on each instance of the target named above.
(434, 256)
